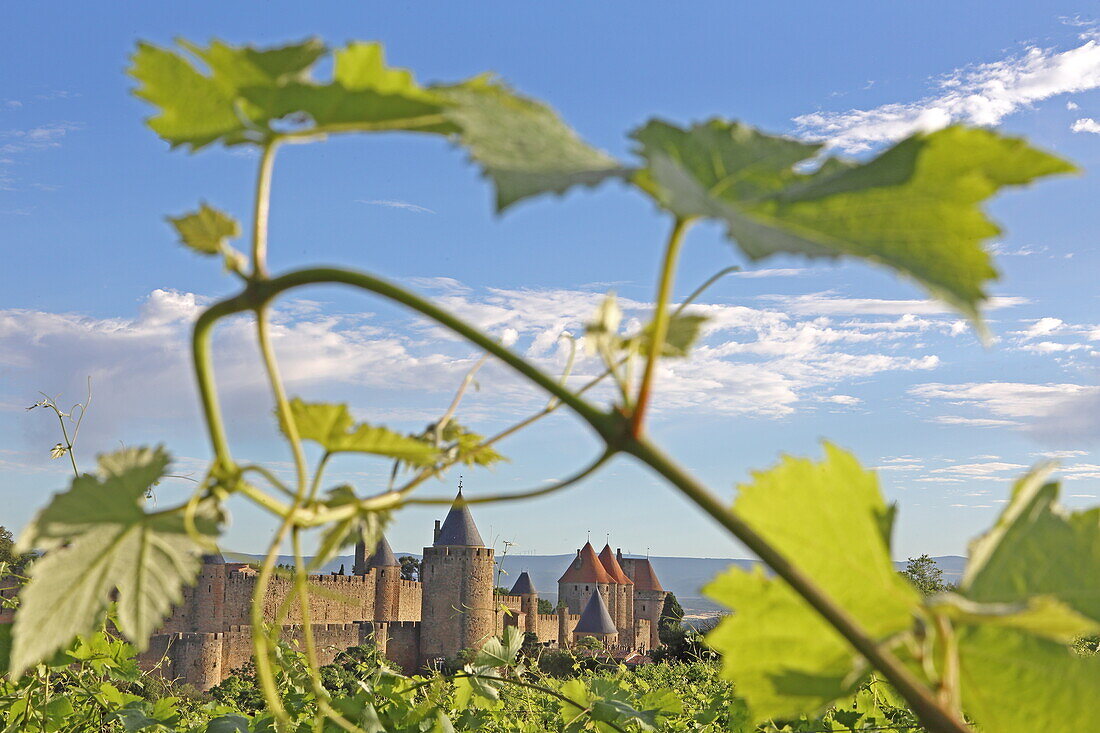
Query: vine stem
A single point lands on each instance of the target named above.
(611, 428)
(261, 207)
(918, 696)
(661, 320)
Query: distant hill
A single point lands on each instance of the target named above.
(684, 576)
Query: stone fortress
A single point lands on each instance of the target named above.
(414, 623)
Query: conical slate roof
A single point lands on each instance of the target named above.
(595, 619)
(383, 556)
(523, 585)
(612, 566)
(458, 528)
(586, 568)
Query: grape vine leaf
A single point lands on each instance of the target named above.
(364, 92)
(207, 230)
(521, 144)
(332, 426)
(248, 90)
(914, 208)
(828, 519)
(468, 446)
(1014, 682)
(1042, 615)
(364, 525)
(1038, 548)
(99, 540)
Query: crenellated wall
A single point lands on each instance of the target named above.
(403, 645)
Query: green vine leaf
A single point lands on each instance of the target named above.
(251, 94)
(100, 540)
(830, 520)
(521, 144)
(1037, 548)
(468, 446)
(332, 427)
(207, 230)
(1041, 615)
(364, 92)
(1014, 682)
(914, 208)
(500, 651)
(363, 525)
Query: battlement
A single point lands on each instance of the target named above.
(447, 553)
(394, 625)
(410, 583)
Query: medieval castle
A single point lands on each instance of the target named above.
(414, 623)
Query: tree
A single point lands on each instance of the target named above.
(672, 617)
(545, 606)
(925, 575)
(410, 567)
(17, 563)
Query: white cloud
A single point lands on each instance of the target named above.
(773, 272)
(393, 204)
(1071, 105)
(974, 422)
(982, 94)
(1052, 412)
(752, 361)
(827, 303)
(1086, 124)
(985, 470)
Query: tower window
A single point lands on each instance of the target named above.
(586, 587)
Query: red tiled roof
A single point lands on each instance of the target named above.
(611, 565)
(586, 568)
(644, 577)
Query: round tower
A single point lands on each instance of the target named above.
(209, 594)
(528, 602)
(622, 610)
(387, 584)
(596, 621)
(457, 610)
(584, 576)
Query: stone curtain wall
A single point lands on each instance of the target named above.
(411, 594)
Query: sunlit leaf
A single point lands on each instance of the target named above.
(100, 540)
(915, 208)
(207, 230)
(500, 651)
(1038, 548)
(1041, 615)
(363, 525)
(468, 446)
(826, 518)
(521, 144)
(332, 426)
(1013, 682)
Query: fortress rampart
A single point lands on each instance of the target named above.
(414, 623)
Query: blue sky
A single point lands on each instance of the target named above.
(92, 283)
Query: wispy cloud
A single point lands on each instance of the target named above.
(982, 94)
(772, 272)
(394, 204)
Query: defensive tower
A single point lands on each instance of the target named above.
(528, 601)
(457, 576)
(595, 621)
(387, 584)
(584, 576)
(649, 596)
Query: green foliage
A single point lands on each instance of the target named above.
(100, 540)
(206, 231)
(925, 575)
(913, 208)
(15, 562)
(672, 614)
(998, 650)
(334, 429)
(520, 143)
(545, 606)
(828, 518)
(410, 567)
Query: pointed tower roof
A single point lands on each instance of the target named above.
(586, 568)
(595, 619)
(383, 556)
(644, 577)
(458, 528)
(523, 585)
(611, 565)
